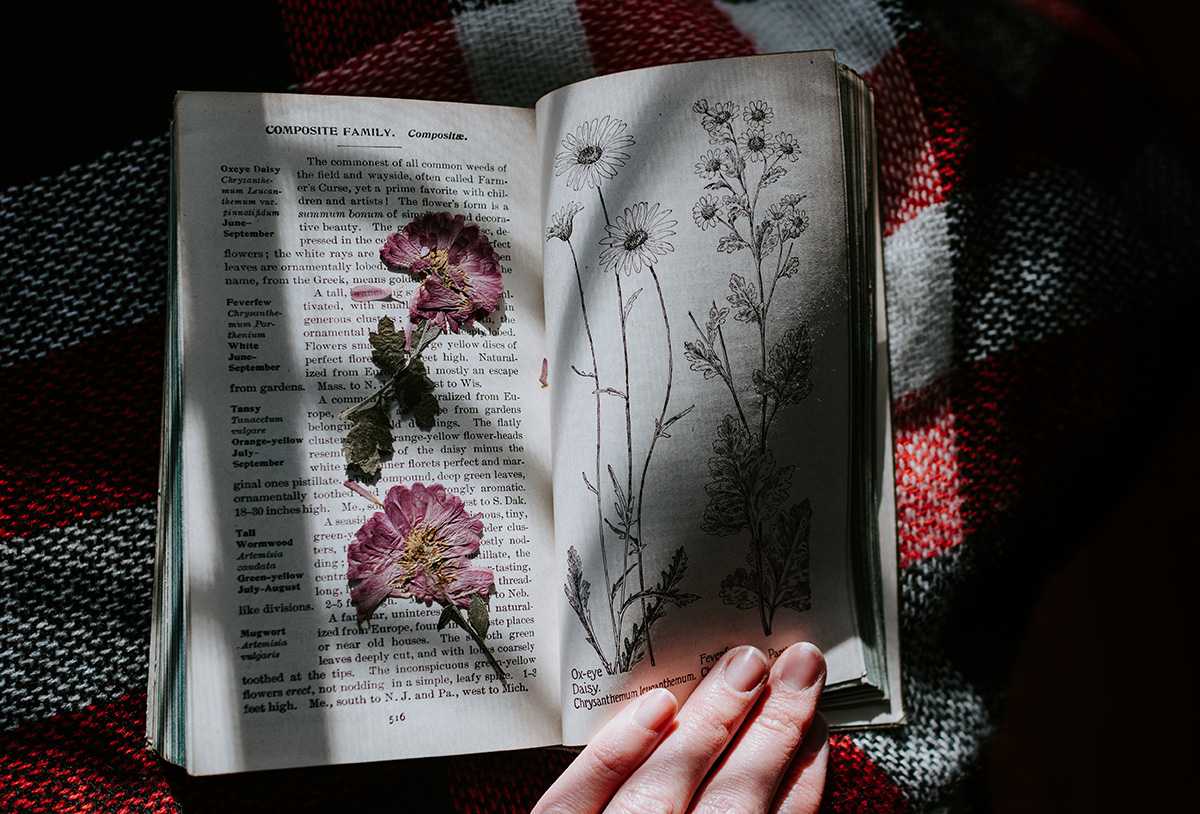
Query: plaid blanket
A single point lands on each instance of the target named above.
(1040, 253)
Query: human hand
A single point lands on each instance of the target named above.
(747, 740)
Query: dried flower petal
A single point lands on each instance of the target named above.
(420, 546)
(368, 293)
(456, 264)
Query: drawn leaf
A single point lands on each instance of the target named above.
(629, 303)
(618, 490)
(677, 416)
(634, 645)
(590, 487)
(387, 347)
(787, 379)
(787, 555)
(731, 244)
(672, 576)
(622, 530)
(772, 175)
(774, 486)
(744, 299)
(702, 357)
(368, 443)
(734, 163)
(789, 268)
(478, 614)
(765, 237)
(578, 589)
(740, 589)
(732, 473)
(716, 318)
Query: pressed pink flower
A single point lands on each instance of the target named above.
(419, 547)
(456, 264)
(368, 293)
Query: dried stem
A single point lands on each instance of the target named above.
(457, 616)
(386, 389)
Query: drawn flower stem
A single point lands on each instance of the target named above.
(628, 446)
(728, 379)
(659, 431)
(597, 483)
(592, 154)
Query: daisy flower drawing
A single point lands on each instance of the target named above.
(706, 211)
(787, 146)
(710, 164)
(637, 238)
(593, 153)
(758, 114)
(562, 225)
(755, 145)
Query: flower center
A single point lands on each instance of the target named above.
(756, 143)
(424, 553)
(708, 211)
(588, 155)
(439, 264)
(722, 116)
(714, 165)
(635, 239)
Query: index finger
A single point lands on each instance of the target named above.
(611, 756)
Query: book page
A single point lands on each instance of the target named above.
(284, 203)
(696, 299)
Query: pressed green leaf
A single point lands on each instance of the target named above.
(368, 443)
(478, 614)
(387, 347)
(414, 395)
(446, 618)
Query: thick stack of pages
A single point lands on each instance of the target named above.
(674, 429)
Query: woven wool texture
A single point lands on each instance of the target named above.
(1016, 282)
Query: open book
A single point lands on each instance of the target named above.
(674, 428)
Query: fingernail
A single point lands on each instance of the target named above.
(655, 709)
(801, 666)
(745, 669)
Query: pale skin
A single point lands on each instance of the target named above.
(748, 739)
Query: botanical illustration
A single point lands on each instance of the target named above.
(747, 489)
(459, 279)
(635, 241)
(419, 546)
